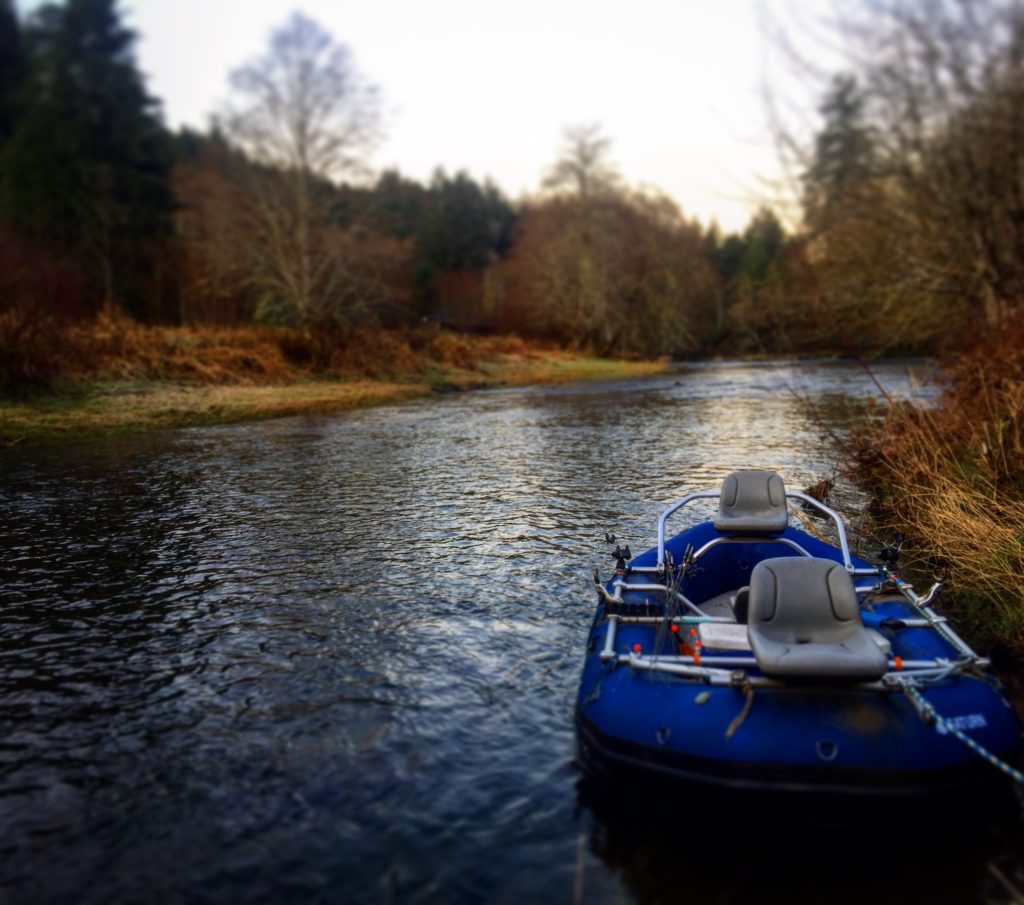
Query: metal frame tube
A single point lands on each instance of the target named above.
(609, 639)
(832, 514)
(727, 677)
(715, 541)
(890, 681)
(701, 616)
(621, 586)
(703, 495)
(934, 619)
(790, 495)
(681, 620)
(712, 660)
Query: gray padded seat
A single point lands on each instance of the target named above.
(752, 502)
(805, 622)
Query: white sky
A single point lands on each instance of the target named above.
(488, 85)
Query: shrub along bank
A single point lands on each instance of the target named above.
(951, 477)
(115, 374)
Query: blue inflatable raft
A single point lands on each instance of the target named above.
(746, 653)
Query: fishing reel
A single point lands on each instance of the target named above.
(620, 554)
(890, 555)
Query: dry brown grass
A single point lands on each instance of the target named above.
(115, 374)
(114, 347)
(952, 479)
(124, 407)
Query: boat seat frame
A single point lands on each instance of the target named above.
(733, 670)
(804, 498)
(750, 539)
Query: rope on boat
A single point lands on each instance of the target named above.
(929, 714)
(748, 693)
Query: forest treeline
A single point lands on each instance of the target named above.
(908, 231)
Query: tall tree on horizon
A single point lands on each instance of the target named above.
(303, 116)
(85, 171)
(11, 68)
(844, 159)
(583, 167)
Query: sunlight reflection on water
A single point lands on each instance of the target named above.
(337, 656)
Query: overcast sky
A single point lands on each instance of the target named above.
(488, 85)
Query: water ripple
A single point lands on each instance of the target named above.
(335, 657)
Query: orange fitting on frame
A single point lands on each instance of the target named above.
(898, 661)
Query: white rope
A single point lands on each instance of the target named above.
(930, 715)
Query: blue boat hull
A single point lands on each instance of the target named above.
(819, 738)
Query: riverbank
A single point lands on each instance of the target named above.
(951, 478)
(119, 376)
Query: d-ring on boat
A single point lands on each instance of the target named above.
(746, 653)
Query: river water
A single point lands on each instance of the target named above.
(335, 658)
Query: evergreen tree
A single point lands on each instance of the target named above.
(763, 240)
(728, 256)
(464, 226)
(843, 157)
(11, 69)
(86, 168)
(397, 205)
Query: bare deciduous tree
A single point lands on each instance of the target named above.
(302, 116)
(584, 168)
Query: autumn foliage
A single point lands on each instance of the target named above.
(952, 477)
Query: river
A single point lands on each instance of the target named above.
(334, 658)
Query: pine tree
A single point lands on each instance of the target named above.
(86, 168)
(764, 240)
(843, 158)
(11, 69)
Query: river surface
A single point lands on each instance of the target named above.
(335, 658)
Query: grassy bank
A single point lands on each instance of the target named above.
(952, 479)
(115, 375)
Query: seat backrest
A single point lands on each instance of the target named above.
(799, 599)
(804, 623)
(740, 604)
(752, 502)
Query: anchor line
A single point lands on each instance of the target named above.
(930, 715)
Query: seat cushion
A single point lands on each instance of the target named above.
(857, 659)
(752, 502)
(804, 622)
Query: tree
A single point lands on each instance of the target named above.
(393, 207)
(572, 270)
(583, 168)
(763, 242)
(463, 227)
(303, 117)
(921, 236)
(216, 258)
(11, 67)
(843, 162)
(639, 282)
(85, 169)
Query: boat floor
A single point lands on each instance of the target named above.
(719, 605)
